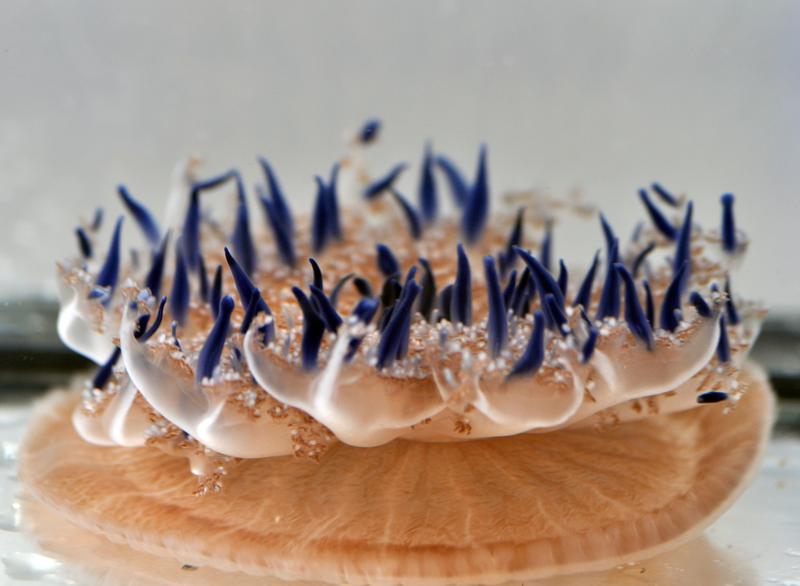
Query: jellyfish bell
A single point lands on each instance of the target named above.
(359, 402)
(484, 511)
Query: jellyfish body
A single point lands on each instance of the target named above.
(389, 413)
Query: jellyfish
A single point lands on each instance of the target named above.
(388, 389)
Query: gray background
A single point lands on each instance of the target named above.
(606, 96)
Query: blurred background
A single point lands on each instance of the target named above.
(604, 97)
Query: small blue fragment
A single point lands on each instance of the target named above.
(390, 291)
(105, 371)
(202, 277)
(320, 230)
(156, 323)
(427, 297)
(730, 307)
(215, 295)
(446, 302)
(522, 294)
(316, 274)
(175, 340)
(545, 252)
(554, 314)
(510, 289)
(458, 184)
(376, 188)
(395, 335)
(563, 277)
(461, 308)
(637, 232)
(267, 331)
(608, 234)
(313, 330)
(683, 247)
(634, 314)
(587, 350)
(84, 244)
(508, 258)
(497, 322)
(412, 216)
(411, 275)
(364, 312)
(712, 397)
(180, 296)
(142, 215)
(703, 310)
(387, 261)
(281, 230)
(109, 272)
(659, 220)
(141, 324)
(724, 344)
(610, 302)
(327, 312)
(242, 239)
(476, 208)
(584, 296)
(332, 205)
(650, 308)
(334, 297)
(211, 352)
(671, 305)
(545, 282)
(244, 286)
(728, 224)
(253, 309)
(531, 360)
(428, 204)
(190, 235)
(283, 214)
(97, 220)
(214, 182)
(640, 258)
(369, 131)
(665, 195)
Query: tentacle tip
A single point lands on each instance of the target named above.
(369, 131)
(712, 397)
